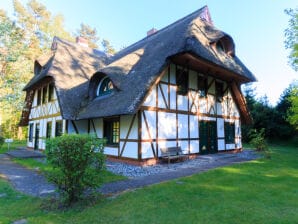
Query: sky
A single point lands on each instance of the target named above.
(257, 27)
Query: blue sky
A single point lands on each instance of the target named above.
(257, 27)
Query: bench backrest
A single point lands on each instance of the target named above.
(171, 151)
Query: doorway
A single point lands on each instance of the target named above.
(208, 137)
(36, 139)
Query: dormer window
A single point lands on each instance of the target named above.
(105, 87)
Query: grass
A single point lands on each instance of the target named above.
(15, 144)
(261, 191)
(44, 167)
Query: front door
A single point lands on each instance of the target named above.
(36, 139)
(208, 137)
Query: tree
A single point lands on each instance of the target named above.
(21, 42)
(12, 66)
(90, 34)
(293, 110)
(291, 34)
(108, 48)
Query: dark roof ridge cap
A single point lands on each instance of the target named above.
(83, 48)
(199, 11)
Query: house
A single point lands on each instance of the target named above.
(179, 86)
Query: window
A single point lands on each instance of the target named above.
(58, 128)
(51, 92)
(44, 94)
(219, 91)
(182, 81)
(38, 97)
(229, 133)
(112, 131)
(105, 87)
(202, 86)
(219, 47)
(49, 130)
(31, 132)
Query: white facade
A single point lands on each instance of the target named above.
(44, 111)
(165, 118)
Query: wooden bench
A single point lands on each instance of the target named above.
(172, 153)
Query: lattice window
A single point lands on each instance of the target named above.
(112, 131)
(229, 133)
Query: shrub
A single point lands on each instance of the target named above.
(77, 161)
(258, 141)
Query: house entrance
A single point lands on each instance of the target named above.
(208, 137)
(36, 139)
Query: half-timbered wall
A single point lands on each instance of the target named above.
(44, 110)
(128, 142)
(170, 119)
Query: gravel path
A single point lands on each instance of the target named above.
(24, 180)
(33, 183)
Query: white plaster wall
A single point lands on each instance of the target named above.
(194, 126)
(172, 74)
(166, 125)
(147, 150)
(220, 128)
(193, 80)
(182, 102)
(111, 151)
(230, 146)
(212, 87)
(221, 144)
(182, 126)
(98, 123)
(130, 150)
(150, 101)
(203, 105)
(194, 146)
(151, 121)
(165, 144)
(161, 101)
(82, 126)
(184, 146)
(125, 122)
(165, 77)
(173, 90)
(211, 104)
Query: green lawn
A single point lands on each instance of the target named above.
(262, 191)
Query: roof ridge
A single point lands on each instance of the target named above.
(84, 48)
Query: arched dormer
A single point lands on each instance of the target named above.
(100, 85)
(104, 87)
(226, 44)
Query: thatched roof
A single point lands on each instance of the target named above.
(71, 66)
(134, 69)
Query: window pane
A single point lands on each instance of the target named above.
(229, 133)
(51, 92)
(49, 130)
(219, 91)
(58, 128)
(202, 86)
(182, 81)
(44, 94)
(38, 97)
(112, 131)
(30, 132)
(105, 87)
